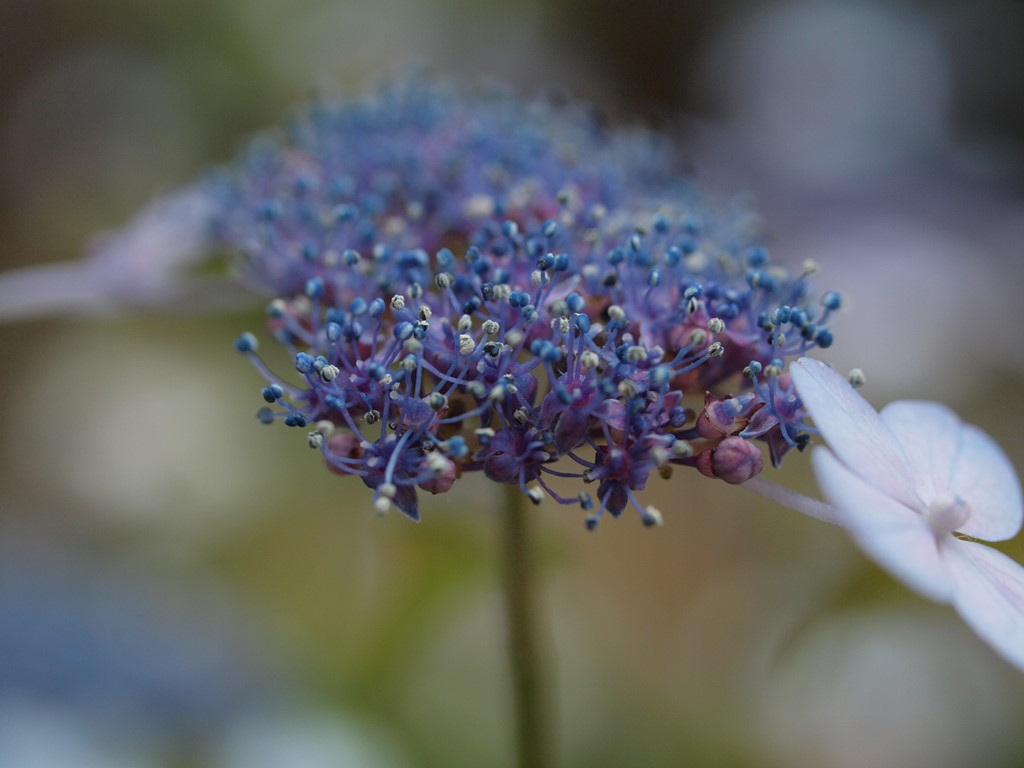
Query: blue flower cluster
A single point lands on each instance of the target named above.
(466, 281)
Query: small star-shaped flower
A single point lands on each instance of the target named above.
(905, 483)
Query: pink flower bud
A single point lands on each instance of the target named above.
(734, 460)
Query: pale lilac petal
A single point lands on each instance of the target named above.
(989, 595)
(853, 429)
(142, 263)
(39, 291)
(985, 479)
(896, 537)
(929, 434)
(948, 456)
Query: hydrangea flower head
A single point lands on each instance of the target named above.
(914, 485)
(467, 282)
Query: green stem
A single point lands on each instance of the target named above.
(522, 615)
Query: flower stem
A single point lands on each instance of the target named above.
(819, 510)
(521, 617)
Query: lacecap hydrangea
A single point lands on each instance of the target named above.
(466, 282)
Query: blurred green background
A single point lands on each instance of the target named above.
(182, 587)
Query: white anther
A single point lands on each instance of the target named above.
(484, 433)
(536, 494)
(491, 327)
(698, 337)
(277, 307)
(522, 415)
(412, 346)
(538, 278)
(514, 337)
(780, 339)
(497, 393)
(329, 372)
(409, 364)
(654, 515)
(810, 266)
(465, 323)
(324, 427)
(425, 313)
(682, 449)
(660, 455)
(385, 380)
(627, 388)
(692, 305)
(716, 350)
(466, 344)
(398, 301)
(372, 416)
(382, 505)
(696, 261)
(560, 324)
(443, 280)
(437, 463)
(856, 377)
(589, 359)
(716, 325)
(616, 313)
(636, 354)
(478, 206)
(316, 440)
(415, 290)
(387, 490)
(477, 389)
(501, 292)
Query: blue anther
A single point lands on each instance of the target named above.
(403, 330)
(673, 256)
(550, 228)
(509, 229)
(693, 292)
(661, 225)
(586, 503)
(582, 323)
(755, 367)
(561, 262)
(265, 416)
(272, 393)
(377, 307)
(823, 338)
(636, 243)
(295, 420)
(345, 212)
(661, 375)
(831, 300)
(757, 257)
(358, 306)
(546, 261)
(246, 343)
(654, 278)
(310, 252)
(303, 362)
(677, 417)
(457, 447)
(445, 258)
(352, 331)
(471, 305)
(563, 394)
(519, 299)
(315, 287)
(575, 302)
(333, 332)
(616, 256)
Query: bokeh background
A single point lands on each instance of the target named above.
(180, 587)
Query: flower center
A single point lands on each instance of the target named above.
(947, 512)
